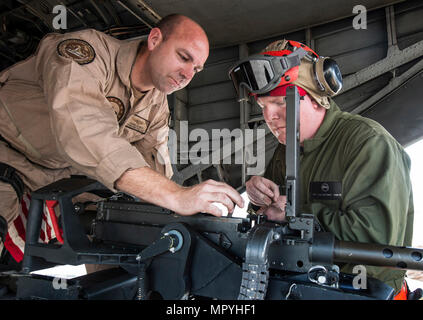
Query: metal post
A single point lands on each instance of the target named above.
(309, 38)
(391, 29)
(244, 114)
(292, 153)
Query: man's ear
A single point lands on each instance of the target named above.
(313, 102)
(154, 38)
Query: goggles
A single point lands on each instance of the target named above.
(262, 73)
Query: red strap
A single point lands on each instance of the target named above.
(281, 91)
(403, 294)
(50, 206)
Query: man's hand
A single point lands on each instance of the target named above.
(200, 197)
(261, 191)
(154, 188)
(276, 211)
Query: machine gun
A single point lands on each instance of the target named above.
(163, 254)
(196, 256)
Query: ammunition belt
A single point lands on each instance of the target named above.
(255, 278)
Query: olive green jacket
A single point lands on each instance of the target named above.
(369, 171)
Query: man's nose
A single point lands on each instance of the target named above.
(187, 73)
(273, 112)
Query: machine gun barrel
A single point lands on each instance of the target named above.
(378, 255)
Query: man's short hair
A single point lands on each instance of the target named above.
(169, 23)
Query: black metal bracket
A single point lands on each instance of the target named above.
(77, 248)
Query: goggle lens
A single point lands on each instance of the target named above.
(254, 74)
(260, 73)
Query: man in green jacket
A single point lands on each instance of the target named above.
(354, 175)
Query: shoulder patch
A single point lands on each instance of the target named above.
(118, 107)
(138, 123)
(78, 50)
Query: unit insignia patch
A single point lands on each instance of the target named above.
(118, 107)
(78, 50)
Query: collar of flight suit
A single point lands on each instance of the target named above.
(125, 60)
(324, 129)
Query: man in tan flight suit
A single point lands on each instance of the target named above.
(87, 103)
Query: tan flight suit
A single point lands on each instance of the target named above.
(71, 109)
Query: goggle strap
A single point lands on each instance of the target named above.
(293, 60)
